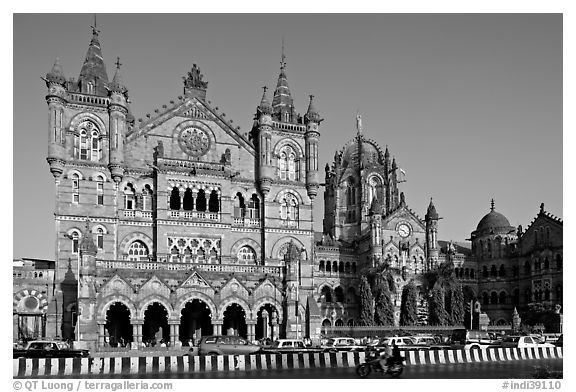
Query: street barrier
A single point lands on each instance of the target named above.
(158, 365)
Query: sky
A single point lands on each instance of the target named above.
(470, 105)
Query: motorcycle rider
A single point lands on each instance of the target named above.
(385, 356)
(396, 357)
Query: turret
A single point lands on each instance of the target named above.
(56, 99)
(118, 111)
(266, 169)
(431, 220)
(312, 120)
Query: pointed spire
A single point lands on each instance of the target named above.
(358, 122)
(386, 153)
(491, 205)
(431, 213)
(282, 103)
(312, 114)
(93, 72)
(87, 246)
(117, 82)
(265, 106)
(394, 166)
(56, 75)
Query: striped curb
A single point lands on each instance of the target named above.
(104, 366)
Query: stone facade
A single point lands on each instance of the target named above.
(178, 225)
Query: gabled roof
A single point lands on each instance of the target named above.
(404, 208)
(184, 105)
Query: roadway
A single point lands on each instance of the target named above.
(481, 370)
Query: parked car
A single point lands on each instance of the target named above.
(341, 344)
(471, 339)
(226, 345)
(522, 342)
(48, 349)
(288, 346)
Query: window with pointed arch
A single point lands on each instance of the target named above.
(246, 255)
(75, 188)
(100, 238)
(75, 238)
(87, 144)
(147, 198)
(287, 164)
(138, 251)
(99, 190)
(374, 189)
(289, 210)
(129, 197)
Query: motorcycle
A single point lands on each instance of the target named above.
(373, 364)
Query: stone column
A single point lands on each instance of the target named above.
(174, 332)
(101, 335)
(218, 327)
(275, 330)
(265, 321)
(134, 343)
(251, 329)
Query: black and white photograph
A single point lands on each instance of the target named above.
(292, 196)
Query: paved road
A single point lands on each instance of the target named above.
(485, 370)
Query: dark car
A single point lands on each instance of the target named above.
(560, 341)
(48, 349)
(226, 345)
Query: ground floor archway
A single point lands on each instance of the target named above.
(155, 329)
(235, 321)
(264, 321)
(118, 325)
(195, 321)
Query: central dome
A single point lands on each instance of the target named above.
(371, 153)
(493, 220)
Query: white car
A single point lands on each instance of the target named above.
(341, 344)
(522, 342)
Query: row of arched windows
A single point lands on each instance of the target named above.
(464, 273)
(337, 295)
(134, 200)
(326, 323)
(288, 164)
(538, 265)
(190, 201)
(75, 237)
(87, 143)
(249, 210)
(337, 267)
(491, 248)
(75, 185)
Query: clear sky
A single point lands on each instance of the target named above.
(469, 104)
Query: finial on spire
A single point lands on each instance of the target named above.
(265, 88)
(118, 63)
(492, 205)
(358, 122)
(283, 61)
(95, 30)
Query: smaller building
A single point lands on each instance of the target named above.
(33, 284)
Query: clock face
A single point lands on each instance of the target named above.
(194, 141)
(403, 230)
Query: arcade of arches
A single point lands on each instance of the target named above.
(195, 320)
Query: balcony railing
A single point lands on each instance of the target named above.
(190, 165)
(247, 222)
(289, 127)
(152, 265)
(81, 98)
(202, 215)
(137, 214)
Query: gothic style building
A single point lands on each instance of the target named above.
(179, 225)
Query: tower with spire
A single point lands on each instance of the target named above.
(433, 251)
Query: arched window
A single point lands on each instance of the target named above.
(341, 267)
(472, 273)
(175, 199)
(558, 262)
(246, 255)
(282, 164)
(289, 210)
(84, 144)
(351, 323)
(502, 271)
(214, 202)
(493, 298)
(485, 298)
(75, 188)
(493, 272)
(75, 237)
(100, 238)
(321, 265)
(335, 266)
(288, 164)
(353, 268)
(467, 272)
(484, 272)
(253, 211)
(99, 190)
(375, 189)
(326, 294)
(328, 266)
(339, 294)
(201, 200)
(129, 197)
(138, 251)
(339, 323)
(87, 143)
(147, 198)
(502, 297)
(95, 143)
(546, 263)
(239, 206)
(348, 268)
(547, 294)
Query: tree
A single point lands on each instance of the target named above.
(437, 314)
(366, 306)
(409, 305)
(457, 304)
(384, 309)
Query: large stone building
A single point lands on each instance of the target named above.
(179, 225)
